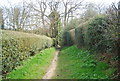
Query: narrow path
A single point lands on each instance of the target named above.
(52, 67)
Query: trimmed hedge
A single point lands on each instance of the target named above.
(18, 46)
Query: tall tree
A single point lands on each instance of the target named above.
(90, 11)
(55, 27)
(1, 19)
(54, 19)
(17, 17)
(39, 10)
(70, 6)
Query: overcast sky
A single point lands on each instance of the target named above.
(6, 2)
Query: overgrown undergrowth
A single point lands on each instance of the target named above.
(35, 67)
(74, 63)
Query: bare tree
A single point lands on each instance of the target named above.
(53, 5)
(54, 17)
(16, 17)
(112, 13)
(100, 8)
(69, 8)
(1, 19)
(40, 8)
(90, 11)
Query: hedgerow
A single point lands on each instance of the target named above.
(94, 35)
(99, 36)
(17, 46)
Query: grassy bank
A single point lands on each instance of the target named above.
(35, 67)
(74, 63)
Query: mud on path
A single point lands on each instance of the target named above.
(52, 67)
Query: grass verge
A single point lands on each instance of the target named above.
(74, 63)
(35, 67)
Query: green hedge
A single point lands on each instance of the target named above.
(99, 36)
(94, 35)
(18, 46)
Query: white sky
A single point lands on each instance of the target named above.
(6, 2)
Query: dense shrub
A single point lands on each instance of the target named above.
(95, 35)
(99, 36)
(18, 46)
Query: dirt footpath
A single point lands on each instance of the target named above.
(52, 67)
